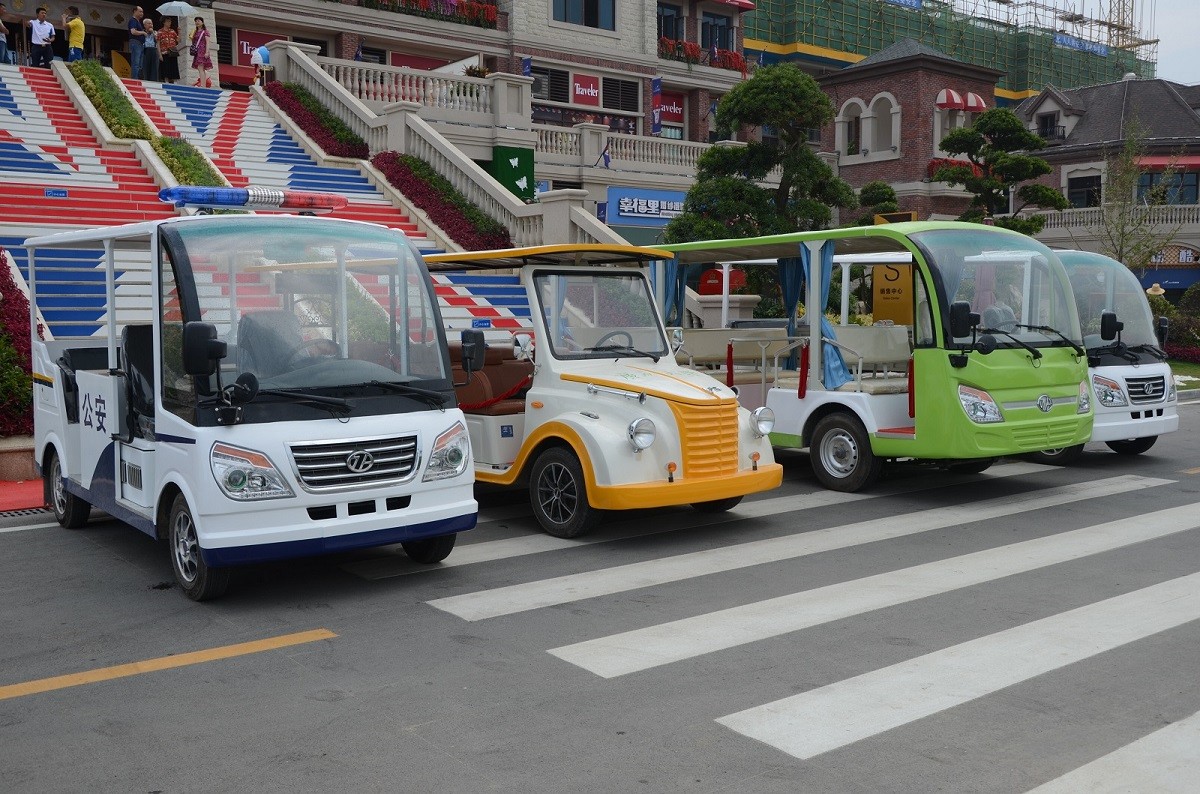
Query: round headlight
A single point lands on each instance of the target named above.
(641, 433)
(763, 421)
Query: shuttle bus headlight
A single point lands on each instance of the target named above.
(979, 406)
(1108, 392)
(246, 475)
(763, 421)
(642, 433)
(1085, 399)
(450, 454)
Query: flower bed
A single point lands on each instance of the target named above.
(448, 208)
(326, 130)
(16, 384)
(464, 12)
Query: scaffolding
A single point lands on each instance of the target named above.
(1035, 43)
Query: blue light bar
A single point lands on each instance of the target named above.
(251, 198)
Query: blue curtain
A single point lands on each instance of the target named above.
(676, 289)
(834, 369)
(791, 280)
(672, 267)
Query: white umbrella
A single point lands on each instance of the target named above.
(178, 8)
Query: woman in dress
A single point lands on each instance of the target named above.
(168, 47)
(150, 56)
(200, 60)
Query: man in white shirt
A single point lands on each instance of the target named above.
(41, 39)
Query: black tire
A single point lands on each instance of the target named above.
(198, 581)
(429, 550)
(1132, 446)
(558, 493)
(841, 454)
(976, 466)
(1057, 457)
(69, 510)
(717, 505)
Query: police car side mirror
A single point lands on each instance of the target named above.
(1109, 326)
(1162, 331)
(201, 349)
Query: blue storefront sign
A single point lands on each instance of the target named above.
(628, 206)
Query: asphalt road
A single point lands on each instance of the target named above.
(1027, 627)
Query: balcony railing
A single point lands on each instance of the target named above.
(1055, 133)
(465, 12)
(1169, 215)
(692, 53)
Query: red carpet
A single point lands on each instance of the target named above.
(23, 495)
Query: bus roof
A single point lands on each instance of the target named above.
(854, 240)
(554, 255)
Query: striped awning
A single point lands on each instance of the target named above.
(949, 99)
(975, 103)
(744, 5)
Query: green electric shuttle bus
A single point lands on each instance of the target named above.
(980, 354)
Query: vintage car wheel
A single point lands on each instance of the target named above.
(69, 510)
(558, 493)
(717, 505)
(198, 581)
(841, 454)
(429, 550)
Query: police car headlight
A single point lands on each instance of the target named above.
(763, 421)
(641, 433)
(979, 405)
(1171, 393)
(450, 454)
(246, 475)
(1108, 392)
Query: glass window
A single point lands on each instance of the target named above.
(590, 13)
(599, 315)
(1102, 284)
(178, 395)
(716, 31)
(1084, 191)
(1178, 189)
(670, 22)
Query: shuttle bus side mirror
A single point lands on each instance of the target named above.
(1109, 326)
(474, 348)
(201, 349)
(962, 320)
(1164, 326)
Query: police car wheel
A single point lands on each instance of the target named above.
(429, 550)
(1132, 446)
(69, 510)
(198, 581)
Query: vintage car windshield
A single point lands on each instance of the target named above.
(1102, 284)
(1013, 282)
(307, 303)
(599, 314)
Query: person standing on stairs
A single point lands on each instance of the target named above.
(150, 56)
(199, 49)
(168, 48)
(136, 34)
(3, 37)
(73, 25)
(41, 39)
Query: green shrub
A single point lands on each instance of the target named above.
(110, 102)
(188, 166)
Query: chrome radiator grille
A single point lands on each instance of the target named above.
(322, 466)
(1146, 390)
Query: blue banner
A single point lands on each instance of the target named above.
(656, 106)
(1075, 43)
(526, 66)
(915, 5)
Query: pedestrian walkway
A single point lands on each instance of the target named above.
(20, 495)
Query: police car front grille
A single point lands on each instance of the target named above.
(325, 466)
(1146, 390)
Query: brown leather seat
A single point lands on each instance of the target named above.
(502, 374)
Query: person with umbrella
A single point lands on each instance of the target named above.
(168, 46)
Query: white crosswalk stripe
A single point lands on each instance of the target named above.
(848, 711)
(1166, 762)
(683, 639)
(576, 587)
(490, 551)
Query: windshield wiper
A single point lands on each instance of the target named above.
(626, 349)
(1033, 351)
(1154, 350)
(335, 405)
(436, 399)
(1120, 350)
(1046, 329)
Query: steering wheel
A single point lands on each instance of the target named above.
(315, 348)
(613, 335)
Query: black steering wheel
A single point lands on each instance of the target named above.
(325, 348)
(613, 335)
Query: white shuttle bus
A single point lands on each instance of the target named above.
(247, 387)
(1136, 401)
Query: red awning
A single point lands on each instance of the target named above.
(744, 5)
(975, 103)
(1166, 161)
(949, 99)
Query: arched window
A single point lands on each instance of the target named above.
(848, 127)
(885, 133)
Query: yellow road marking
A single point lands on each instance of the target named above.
(162, 663)
(1190, 471)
